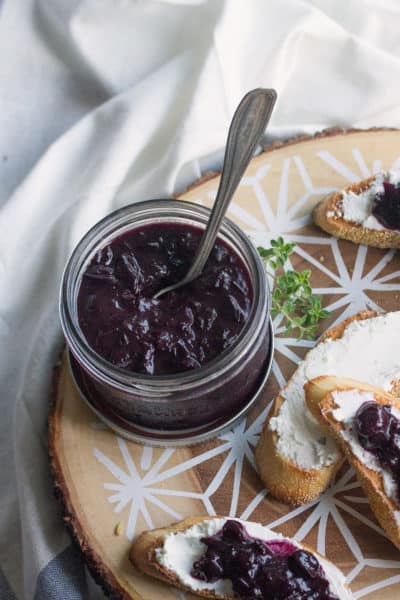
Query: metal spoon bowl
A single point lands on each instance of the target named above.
(248, 124)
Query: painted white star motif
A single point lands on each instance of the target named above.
(138, 491)
(132, 488)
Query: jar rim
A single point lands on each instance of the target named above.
(109, 227)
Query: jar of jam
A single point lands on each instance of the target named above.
(186, 359)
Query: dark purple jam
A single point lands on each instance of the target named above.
(386, 207)
(378, 432)
(180, 331)
(273, 570)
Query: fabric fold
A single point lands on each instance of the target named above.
(107, 102)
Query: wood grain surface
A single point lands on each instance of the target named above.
(111, 489)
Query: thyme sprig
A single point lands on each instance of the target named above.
(292, 294)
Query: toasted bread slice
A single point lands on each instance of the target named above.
(147, 546)
(282, 477)
(285, 477)
(323, 405)
(316, 389)
(328, 215)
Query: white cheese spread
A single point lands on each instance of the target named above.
(180, 550)
(348, 402)
(357, 208)
(368, 351)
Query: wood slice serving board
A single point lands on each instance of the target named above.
(112, 489)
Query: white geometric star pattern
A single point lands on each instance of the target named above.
(350, 278)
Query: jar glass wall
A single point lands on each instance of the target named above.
(219, 388)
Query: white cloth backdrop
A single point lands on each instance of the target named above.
(105, 102)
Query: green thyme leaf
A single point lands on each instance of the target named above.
(292, 296)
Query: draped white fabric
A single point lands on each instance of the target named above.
(106, 102)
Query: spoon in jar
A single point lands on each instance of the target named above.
(247, 126)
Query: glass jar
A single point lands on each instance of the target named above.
(190, 399)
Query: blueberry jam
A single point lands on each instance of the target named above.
(273, 570)
(378, 432)
(386, 207)
(180, 331)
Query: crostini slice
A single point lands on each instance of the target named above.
(296, 458)
(367, 212)
(337, 403)
(170, 554)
